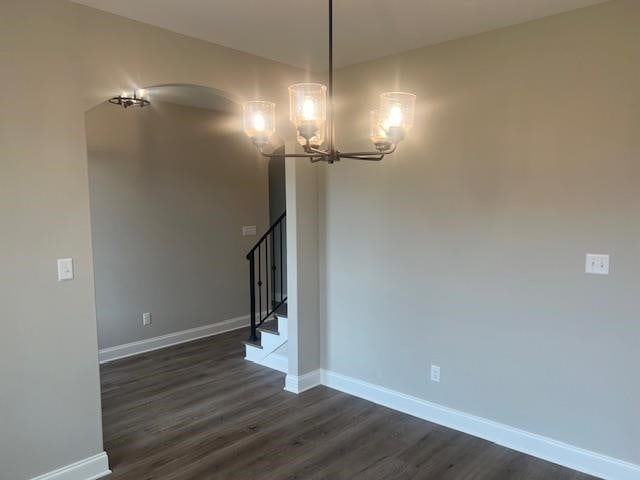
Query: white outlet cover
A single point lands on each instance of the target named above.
(597, 264)
(65, 269)
(146, 319)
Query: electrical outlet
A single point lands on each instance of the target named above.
(435, 373)
(146, 319)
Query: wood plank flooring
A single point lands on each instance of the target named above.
(199, 411)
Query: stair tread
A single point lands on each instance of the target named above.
(268, 330)
(252, 344)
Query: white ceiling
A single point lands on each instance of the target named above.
(295, 31)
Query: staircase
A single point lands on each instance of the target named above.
(271, 349)
(267, 344)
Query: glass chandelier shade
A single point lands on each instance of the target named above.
(308, 111)
(396, 113)
(259, 121)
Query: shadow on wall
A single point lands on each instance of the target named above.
(171, 187)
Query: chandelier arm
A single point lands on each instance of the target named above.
(299, 155)
(287, 155)
(362, 154)
(371, 158)
(310, 149)
(368, 154)
(317, 151)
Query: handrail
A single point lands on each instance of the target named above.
(271, 229)
(271, 265)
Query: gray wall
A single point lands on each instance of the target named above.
(64, 59)
(467, 247)
(171, 188)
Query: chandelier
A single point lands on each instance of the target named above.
(311, 111)
(135, 99)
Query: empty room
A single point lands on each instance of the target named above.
(319, 239)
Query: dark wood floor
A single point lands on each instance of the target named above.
(198, 411)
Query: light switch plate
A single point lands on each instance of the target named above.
(65, 269)
(435, 373)
(248, 230)
(597, 264)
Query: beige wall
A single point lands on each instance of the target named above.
(303, 346)
(171, 187)
(49, 394)
(466, 248)
(59, 59)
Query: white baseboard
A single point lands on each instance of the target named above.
(302, 383)
(122, 351)
(90, 468)
(530, 443)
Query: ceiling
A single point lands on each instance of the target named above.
(295, 31)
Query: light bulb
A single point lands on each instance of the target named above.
(258, 122)
(396, 113)
(308, 109)
(395, 116)
(378, 131)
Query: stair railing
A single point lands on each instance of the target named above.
(268, 289)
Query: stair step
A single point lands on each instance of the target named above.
(252, 344)
(268, 330)
(271, 349)
(283, 326)
(271, 340)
